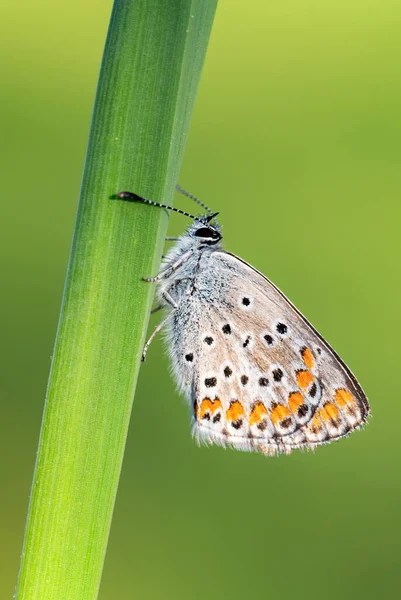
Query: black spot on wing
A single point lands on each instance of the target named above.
(278, 375)
(282, 328)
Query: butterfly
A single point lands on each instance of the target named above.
(256, 373)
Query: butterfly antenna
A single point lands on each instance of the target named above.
(194, 198)
(131, 197)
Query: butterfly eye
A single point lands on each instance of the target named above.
(207, 232)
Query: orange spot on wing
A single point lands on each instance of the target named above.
(235, 412)
(279, 413)
(304, 379)
(295, 401)
(343, 397)
(209, 405)
(217, 404)
(316, 424)
(330, 411)
(308, 358)
(259, 411)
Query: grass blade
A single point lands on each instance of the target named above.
(150, 71)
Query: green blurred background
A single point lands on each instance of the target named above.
(296, 140)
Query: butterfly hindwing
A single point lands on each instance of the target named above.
(259, 376)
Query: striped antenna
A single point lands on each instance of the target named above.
(131, 197)
(194, 198)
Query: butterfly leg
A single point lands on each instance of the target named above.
(168, 238)
(169, 300)
(170, 270)
(154, 334)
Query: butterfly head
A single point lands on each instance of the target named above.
(201, 231)
(204, 232)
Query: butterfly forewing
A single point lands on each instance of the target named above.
(258, 375)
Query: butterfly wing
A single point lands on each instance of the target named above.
(259, 377)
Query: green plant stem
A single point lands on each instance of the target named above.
(150, 71)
